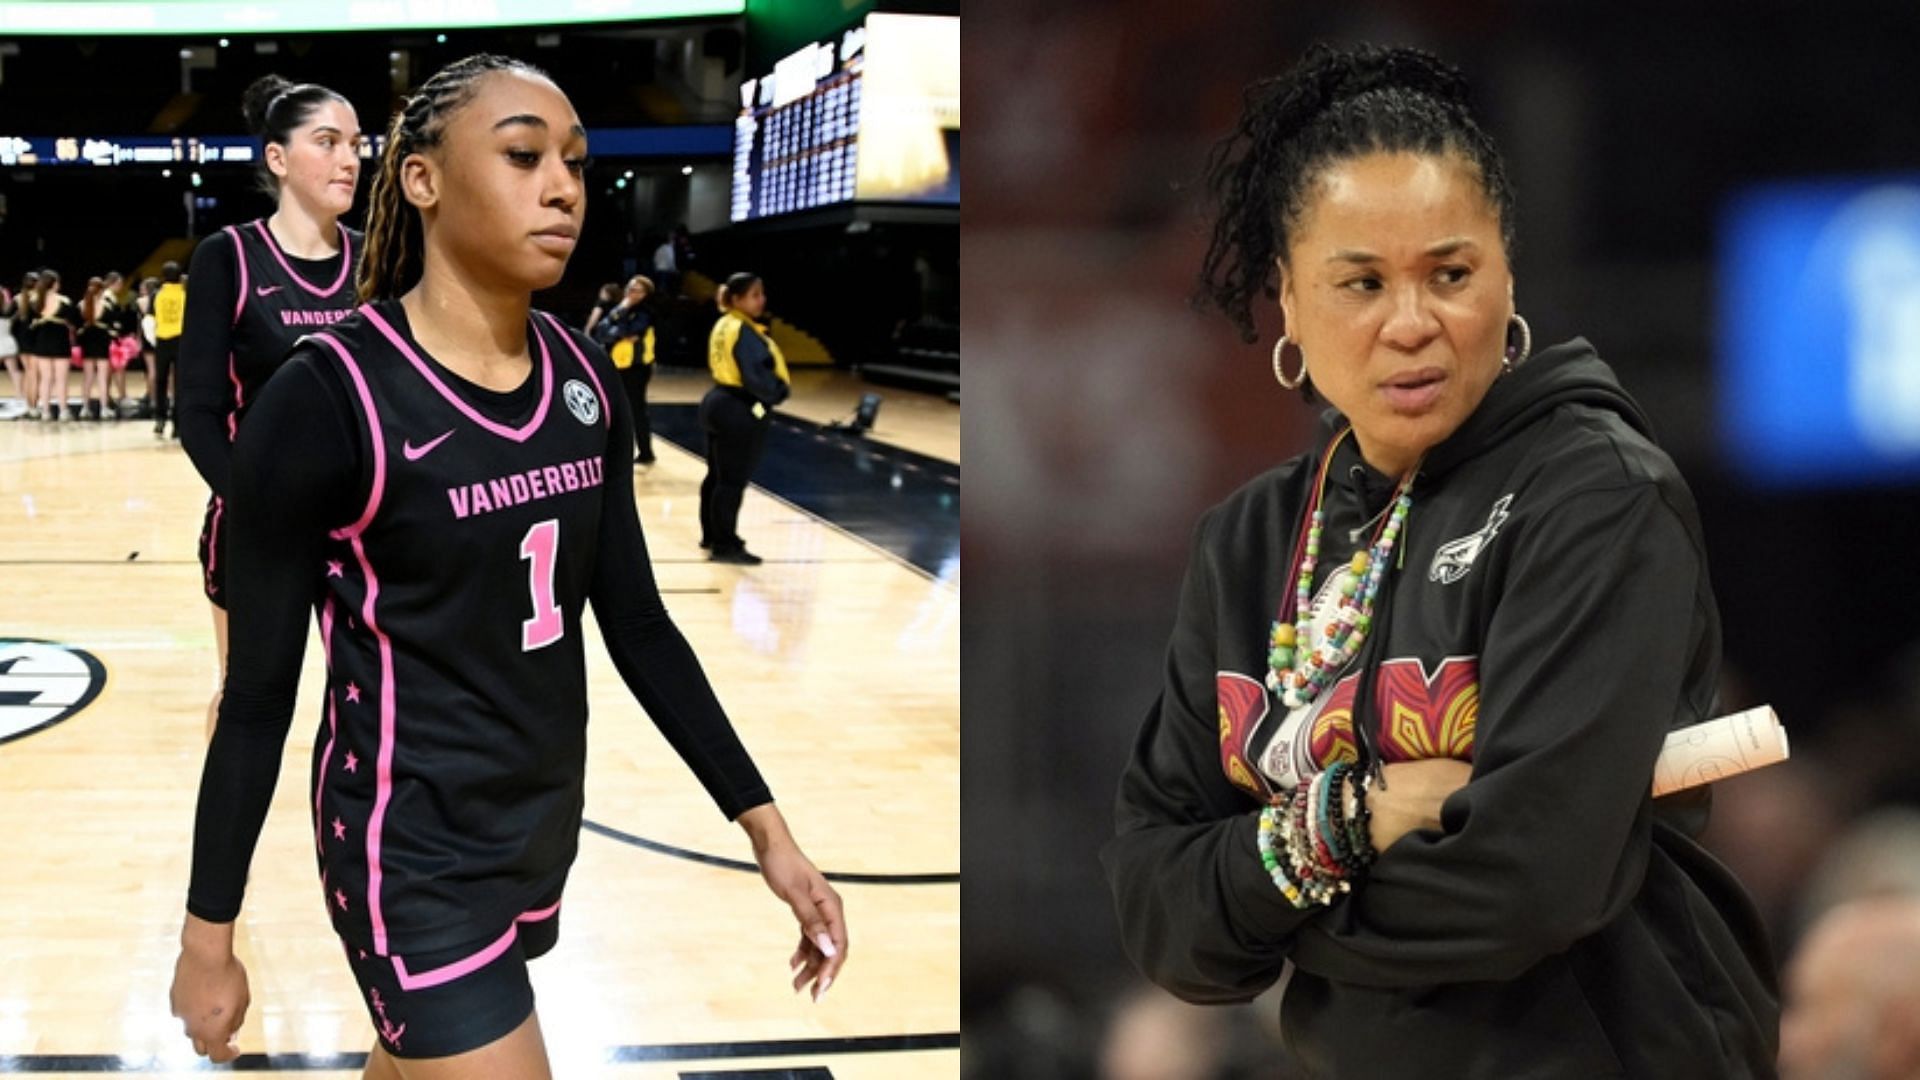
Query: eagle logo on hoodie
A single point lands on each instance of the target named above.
(1455, 557)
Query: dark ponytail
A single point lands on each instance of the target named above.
(735, 285)
(1334, 105)
(273, 107)
(391, 262)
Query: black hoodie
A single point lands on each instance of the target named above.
(1549, 620)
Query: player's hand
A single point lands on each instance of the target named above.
(1411, 796)
(816, 906)
(210, 997)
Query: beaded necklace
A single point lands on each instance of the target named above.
(1298, 669)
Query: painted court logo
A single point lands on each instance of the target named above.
(581, 401)
(43, 683)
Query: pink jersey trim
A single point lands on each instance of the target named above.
(213, 540)
(591, 374)
(383, 782)
(519, 434)
(333, 733)
(333, 722)
(346, 261)
(450, 972)
(377, 439)
(240, 259)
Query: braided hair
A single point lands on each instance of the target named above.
(1334, 105)
(395, 242)
(273, 107)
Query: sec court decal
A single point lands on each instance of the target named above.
(43, 683)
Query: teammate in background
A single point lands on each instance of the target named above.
(626, 332)
(169, 312)
(396, 475)
(750, 378)
(95, 339)
(261, 286)
(53, 319)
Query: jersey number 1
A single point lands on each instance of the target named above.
(541, 545)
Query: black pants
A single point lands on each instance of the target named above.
(635, 379)
(736, 439)
(166, 351)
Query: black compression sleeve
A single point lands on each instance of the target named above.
(647, 648)
(296, 474)
(206, 336)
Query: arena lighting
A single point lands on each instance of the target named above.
(177, 17)
(686, 170)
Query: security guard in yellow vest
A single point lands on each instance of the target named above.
(626, 331)
(750, 378)
(169, 313)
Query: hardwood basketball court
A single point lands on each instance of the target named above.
(838, 659)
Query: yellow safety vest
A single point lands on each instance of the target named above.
(169, 310)
(726, 334)
(622, 351)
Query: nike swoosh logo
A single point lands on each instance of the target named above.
(415, 453)
(267, 290)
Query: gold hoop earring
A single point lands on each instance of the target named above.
(1279, 371)
(1517, 354)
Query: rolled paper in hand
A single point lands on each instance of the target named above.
(1718, 749)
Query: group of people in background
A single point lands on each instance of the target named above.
(45, 333)
(750, 378)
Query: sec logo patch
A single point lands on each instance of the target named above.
(43, 683)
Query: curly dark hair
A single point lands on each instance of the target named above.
(1334, 105)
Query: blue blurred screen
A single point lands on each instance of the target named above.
(1818, 366)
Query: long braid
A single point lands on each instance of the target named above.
(395, 249)
(1334, 105)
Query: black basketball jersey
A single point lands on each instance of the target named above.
(448, 773)
(274, 306)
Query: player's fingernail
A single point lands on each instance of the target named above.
(826, 945)
(826, 984)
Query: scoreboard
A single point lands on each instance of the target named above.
(873, 116)
(796, 139)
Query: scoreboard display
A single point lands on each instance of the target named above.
(873, 115)
(795, 141)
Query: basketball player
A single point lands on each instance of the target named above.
(445, 478)
(258, 287)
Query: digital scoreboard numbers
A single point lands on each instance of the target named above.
(20, 150)
(796, 137)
